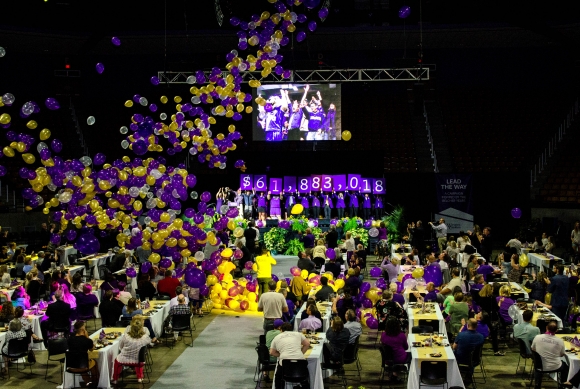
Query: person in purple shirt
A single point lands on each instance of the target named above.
(382, 232)
(288, 203)
(315, 117)
(315, 201)
(394, 338)
(305, 203)
(340, 205)
(353, 204)
(295, 116)
(485, 269)
(504, 302)
(274, 118)
(431, 292)
(479, 282)
(366, 205)
(308, 240)
(282, 205)
(390, 267)
(397, 297)
(274, 206)
(262, 206)
(326, 205)
(378, 207)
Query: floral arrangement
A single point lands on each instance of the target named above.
(316, 231)
(298, 223)
(294, 247)
(351, 223)
(241, 222)
(363, 234)
(275, 239)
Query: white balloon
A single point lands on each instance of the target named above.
(123, 130)
(2, 52)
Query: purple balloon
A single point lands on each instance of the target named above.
(404, 12)
(71, 235)
(381, 283)
(131, 272)
(100, 68)
(432, 274)
(330, 254)
(275, 277)
(52, 104)
(372, 323)
(368, 224)
(311, 3)
(367, 303)
(56, 145)
(205, 197)
(376, 272)
(87, 244)
(55, 239)
(312, 25)
(165, 263)
(155, 80)
(194, 277)
(365, 287)
(323, 13)
(300, 36)
(99, 159)
(116, 41)
(248, 265)
(516, 213)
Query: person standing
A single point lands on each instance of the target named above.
(289, 203)
(273, 305)
(332, 237)
(327, 205)
(440, 233)
(262, 206)
(251, 236)
(315, 201)
(308, 240)
(248, 199)
(575, 237)
(486, 244)
(558, 286)
(305, 203)
(263, 266)
(340, 205)
(366, 206)
(275, 211)
(287, 345)
(378, 207)
(353, 204)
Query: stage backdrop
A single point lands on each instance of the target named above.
(454, 199)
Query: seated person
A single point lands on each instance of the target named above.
(33, 286)
(311, 322)
(146, 288)
(167, 285)
(110, 309)
(129, 345)
(20, 298)
(7, 312)
(86, 302)
(331, 266)
(526, 331)
(352, 325)
(58, 316)
(466, 342)
(26, 324)
(459, 310)
(304, 313)
(132, 309)
(504, 302)
(15, 331)
(482, 328)
(81, 343)
(551, 349)
(178, 290)
(338, 338)
(324, 293)
(124, 296)
(431, 295)
(395, 338)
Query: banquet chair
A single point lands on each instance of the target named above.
(263, 363)
(143, 363)
(182, 324)
(539, 367)
(88, 270)
(421, 329)
(469, 368)
(77, 364)
(319, 262)
(433, 373)
(388, 365)
(541, 324)
(17, 349)
(295, 371)
(350, 355)
(56, 347)
(434, 324)
(525, 354)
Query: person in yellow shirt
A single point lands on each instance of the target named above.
(299, 287)
(263, 267)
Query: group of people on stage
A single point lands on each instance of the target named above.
(282, 119)
(263, 205)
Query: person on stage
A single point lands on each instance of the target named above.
(353, 204)
(282, 205)
(326, 205)
(366, 205)
(303, 198)
(296, 115)
(330, 130)
(289, 203)
(274, 206)
(340, 204)
(315, 117)
(378, 208)
(315, 201)
(262, 206)
(248, 200)
(274, 118)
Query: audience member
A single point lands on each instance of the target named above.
(287, 345)
(167, 285)
(311, 323)
(504, 302)
(273, 305)
(331, 266)
(86, 302)
(386, 308)
(81, 343)
(466, 343)
(129, 347)
(146, 288)
(459, 310)
(526, 331)
(337, 339)
(552, 351)
(396, 339)
(15, 331)
(110, 309)
(352, 325)
(58, 316)
(558, 286)
(263, 265)
(324, 293)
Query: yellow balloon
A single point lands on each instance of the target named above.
(129, 103)
(228, 278)
(227, 253)
(346, 135)
(137, 205)
(5, 118)
(211, 280)
(524, 260)
(171, 242)
(20, 147)
(231, 225)
(32, 124)
(44, 134)
(418, 272)
(28, 158)
(8, 151)
(339, 283)
(154, 258)
(297, 209)
(217, 287)
(163, 99)
(224, 294)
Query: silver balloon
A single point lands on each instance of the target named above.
(86, 161)
(194, 195)
(124, 144)
(41, 146)
(195, 100)
(163, 116)
(91, 120)
(28, 108)
(224, 209)
(143, 101)
(193, 151)
(373, 232)
(8, 99)
(123, 130)
(133, 191)
(191, 80)
(2, 52)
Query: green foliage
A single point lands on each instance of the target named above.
(363, 234)
(299, 223)
(241, 222)
(275, 239)
(294, 247)
(352, 224)
(395, 223)
(316, 231)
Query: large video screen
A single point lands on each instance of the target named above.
(298, 112)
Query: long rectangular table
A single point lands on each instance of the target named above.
(325, 311)
(72, 269)
(95, 261)
(541, 260)
(408, 291)
(131, 282)
(35, 320)
(515, 288)
(158, 317)
(573, 359)
(420, 354)
(548, 314)
(414, 315)
(64, 252)
(314, 357)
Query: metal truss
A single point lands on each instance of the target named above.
(315, 76)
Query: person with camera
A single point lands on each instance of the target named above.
(440, 233)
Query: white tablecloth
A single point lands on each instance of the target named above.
(65, 251)
(440, 319)
(131, 282)
(96, 261)
(453, 374)
(72, 269)
(407, 291)
(105, 361)
(159, 316)
(539, 260)
(314, 368)
(572, 359)
(35, 320)
(518, 287)
(395, 247)
(325, 318)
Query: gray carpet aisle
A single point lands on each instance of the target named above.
(222, 356)
(283, 264)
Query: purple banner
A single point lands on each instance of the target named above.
(260, 183)
(339, 183)
(304, 184)
(289, 184)
(379, 186)
(246, 182)
(366, 185)
(354, 182)
(275, 185)
(315, 183)
(326, 185)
